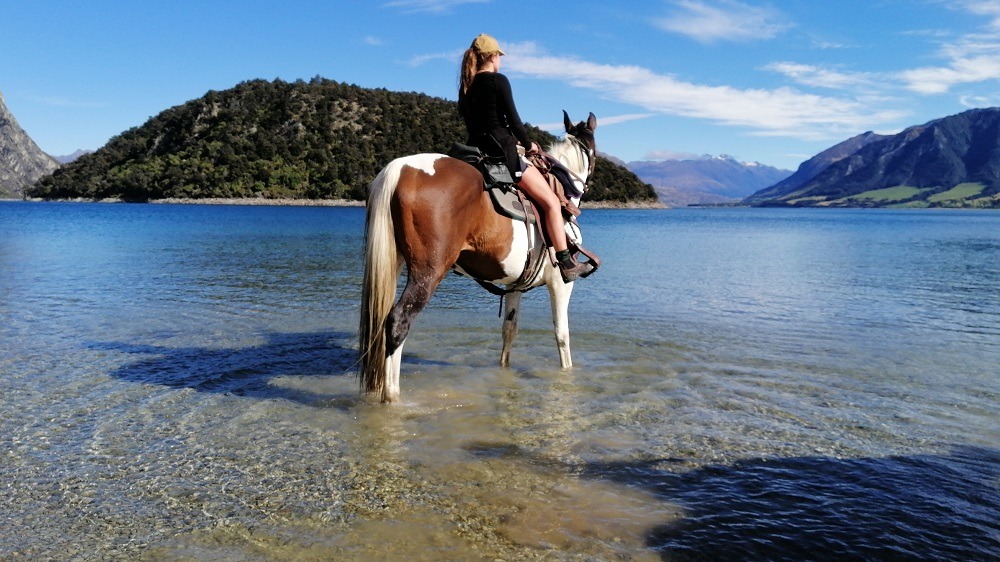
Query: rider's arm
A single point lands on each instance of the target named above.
(505, 102)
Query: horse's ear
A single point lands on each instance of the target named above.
(567, 122)
(591, 122)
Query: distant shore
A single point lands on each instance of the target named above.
(325, 202)
(262, 201)
(619, 205)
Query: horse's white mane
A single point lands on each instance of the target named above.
(570, 152)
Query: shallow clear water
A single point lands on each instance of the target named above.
(177, 384)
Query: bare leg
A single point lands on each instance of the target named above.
(538, 190)
(535, 186)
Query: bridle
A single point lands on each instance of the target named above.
(589, 153)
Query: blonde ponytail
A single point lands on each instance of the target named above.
(476, 57)
(470, 64)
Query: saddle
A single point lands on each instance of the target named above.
(497, 181)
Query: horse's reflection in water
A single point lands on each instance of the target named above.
(429, 212)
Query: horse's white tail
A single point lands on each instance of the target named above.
(378, 292)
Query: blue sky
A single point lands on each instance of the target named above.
(774, 82)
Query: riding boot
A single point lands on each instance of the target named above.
(570, 269)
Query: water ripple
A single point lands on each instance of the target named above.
(178, 383)
(920, 507)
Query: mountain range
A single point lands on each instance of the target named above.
(21, 161)
(705, 180)
(949, 162)
(67, 158)
(324, 139)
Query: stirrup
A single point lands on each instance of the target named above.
(592, 259)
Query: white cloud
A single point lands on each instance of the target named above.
(616, 119)
(433, 6)
(776, 112)
(979, 101)
(602, 121)
(933, 33)
(825, 45)
(451, 56)
(372, 40)
(810, 75)
(969, 59)
(671, 155)
(56, 101)
(988, 8)
(723, 20)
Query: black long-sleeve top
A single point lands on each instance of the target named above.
(488, 109)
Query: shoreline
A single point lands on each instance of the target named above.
(256, 201)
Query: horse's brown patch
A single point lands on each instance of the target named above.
(446, 218)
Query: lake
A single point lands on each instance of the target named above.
(178, 383)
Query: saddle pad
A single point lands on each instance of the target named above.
(496, 181)
(506, 203)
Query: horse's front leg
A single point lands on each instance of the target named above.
(512, 309)
(559, 293)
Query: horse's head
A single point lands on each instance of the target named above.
(583, 135)
(577, 152)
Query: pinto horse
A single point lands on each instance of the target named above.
(431, 213)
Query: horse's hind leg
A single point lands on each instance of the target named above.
(512, 309)
(415, 297)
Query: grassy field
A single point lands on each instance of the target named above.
(885, 196)
(963, 195)
(959, 192)
(889, 194)
(816, 200)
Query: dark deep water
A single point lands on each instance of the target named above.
(750, 384)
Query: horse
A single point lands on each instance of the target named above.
(430, 213)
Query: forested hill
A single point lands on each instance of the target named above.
(314, 140)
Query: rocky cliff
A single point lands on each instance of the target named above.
(21, 161)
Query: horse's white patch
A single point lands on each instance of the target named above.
(513, 264)
(423, 162)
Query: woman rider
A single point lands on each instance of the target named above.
(487, 106)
